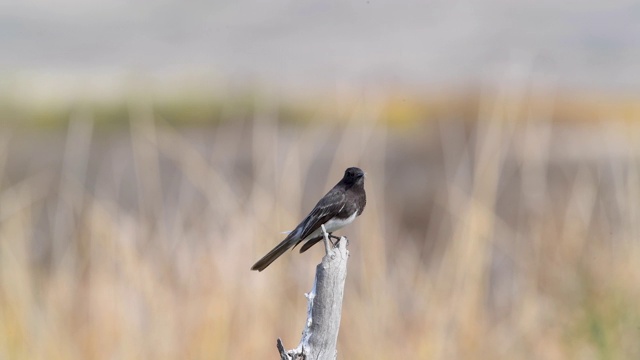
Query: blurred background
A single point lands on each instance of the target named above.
(151, 152)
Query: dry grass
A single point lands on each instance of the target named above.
(142, 248)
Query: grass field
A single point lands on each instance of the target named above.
(501, 229)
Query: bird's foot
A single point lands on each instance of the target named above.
(333, 237)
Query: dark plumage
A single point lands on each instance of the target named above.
(339, 207)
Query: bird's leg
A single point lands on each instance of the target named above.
(333, 237)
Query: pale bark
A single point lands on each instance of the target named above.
(324, 307)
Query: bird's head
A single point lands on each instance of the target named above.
(353, 175)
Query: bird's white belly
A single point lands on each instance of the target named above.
(333, 225)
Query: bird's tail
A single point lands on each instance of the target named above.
(272, 255)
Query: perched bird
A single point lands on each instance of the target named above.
(339, 207)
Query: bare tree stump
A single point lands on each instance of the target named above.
(324, 307)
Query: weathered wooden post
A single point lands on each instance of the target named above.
(324, 307)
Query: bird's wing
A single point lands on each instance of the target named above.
(325, 209)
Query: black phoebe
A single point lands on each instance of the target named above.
(338, 208)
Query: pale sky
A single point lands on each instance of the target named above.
(594, 45)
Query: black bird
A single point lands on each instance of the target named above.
(339, 207)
